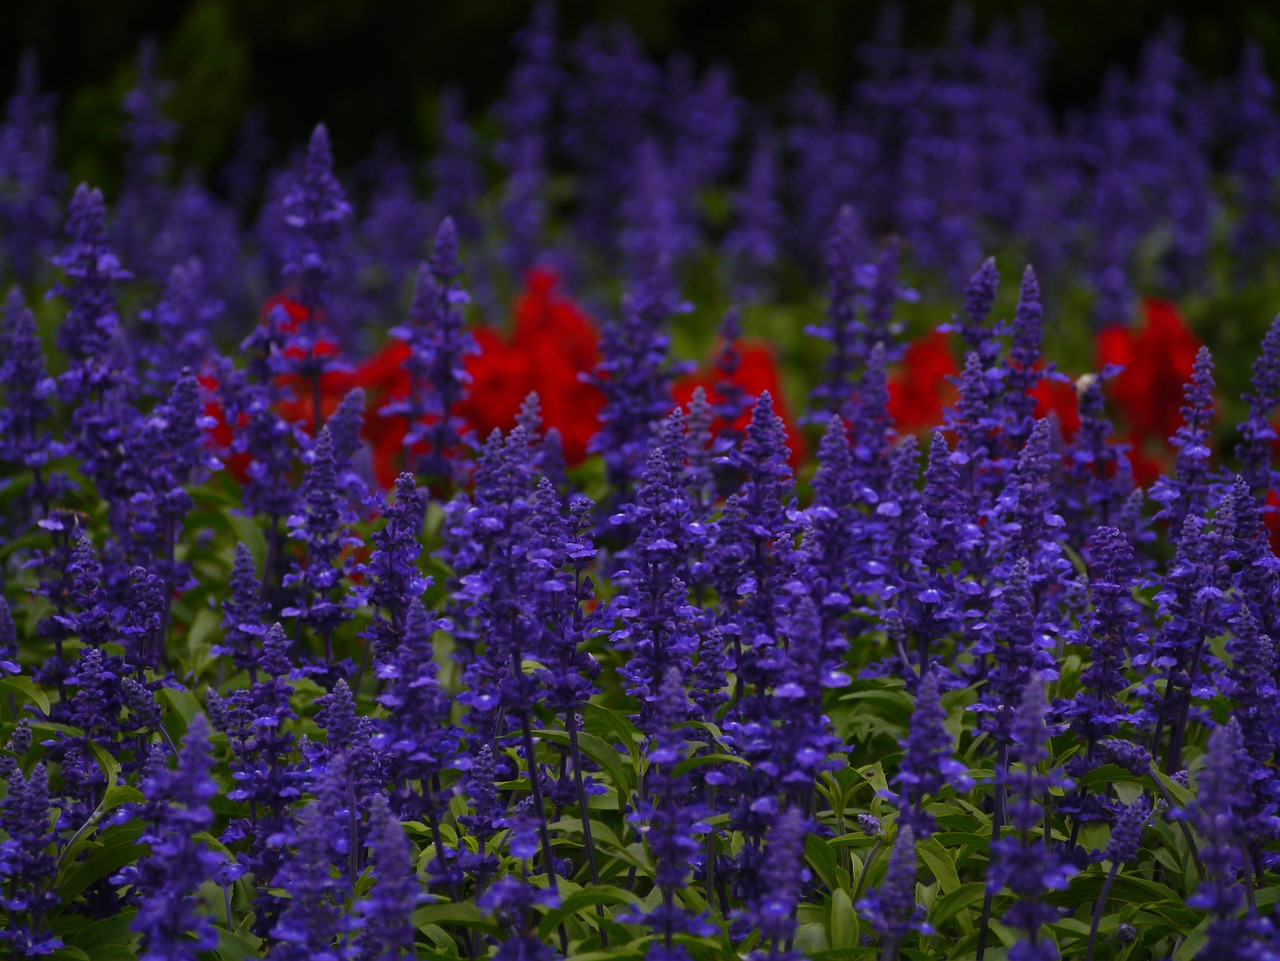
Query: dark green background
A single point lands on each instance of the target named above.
(368, 66)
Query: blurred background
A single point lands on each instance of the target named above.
(369, 67)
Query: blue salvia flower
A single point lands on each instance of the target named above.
(488, 816)
(667, 821)
(783, 876)
(972, 421)
(1112, 628)
(315, 924)
(455, 171)
(420, 742)
(393, 234)
(1247, 549)
(387, 931)
(1098, 477)
(843, 329)
(263, 766)
(1017, 642)
(29, 393)
(823, 177)
(657, 617)
(657, 235)
(563, 549)
(183, 321)
(1187, 491)
(1256, 433)
(928, 764)
(88, 333)
(892, 909)
(526, 113)
(702, 119)
(1250, 681)
(882, 290)
(322, 603)
(732, 400)
(27, 864)
(871, 424)
(1190, 602)
(1255, 133)
(606, 106)
(199, 226)
(980, 337)
(809, 662)
(8, 641)
(316, 213)
(177, 863)
(634, 377)
(1027, 866)
(144, 194)
(29, 183)
(438, 347)
(748, 545)
(393, 578)
(1027, 521)
(1222, 800)
(345, 425)
(755, 241)
(1020, 372)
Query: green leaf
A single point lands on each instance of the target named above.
(117, 847)
(235, 947)
(819, 854)
(583, 900)
(606, 755)
(844, 922)
(951, 904)
(247, 530)
(27, 689)
(463, 913)
(938, 860)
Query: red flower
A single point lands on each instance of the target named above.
(1157, 361)
(552, 345)
(1059, 398)
(920, 390)
(757, 372)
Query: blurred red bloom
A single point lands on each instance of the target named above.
(919, 389)
(757, 372)
(1157, 360)
(1060, 399)
(552, 345)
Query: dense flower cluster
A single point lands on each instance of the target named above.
(364, 627)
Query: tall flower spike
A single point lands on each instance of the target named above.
(1220, 803)
(1187, 491)
(315, 924)
(387, 932)
(178, 863)
(1021, 372)
(783, 876)
(755, 241)
(88, 332)
(28, 865)
(1028, 866)
(316, 212)
(979, 296)
(28, 394)
(843, 330)
(1257, 434)
(29, 182)
(439, 344)
(892, 909)
(927, 764)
